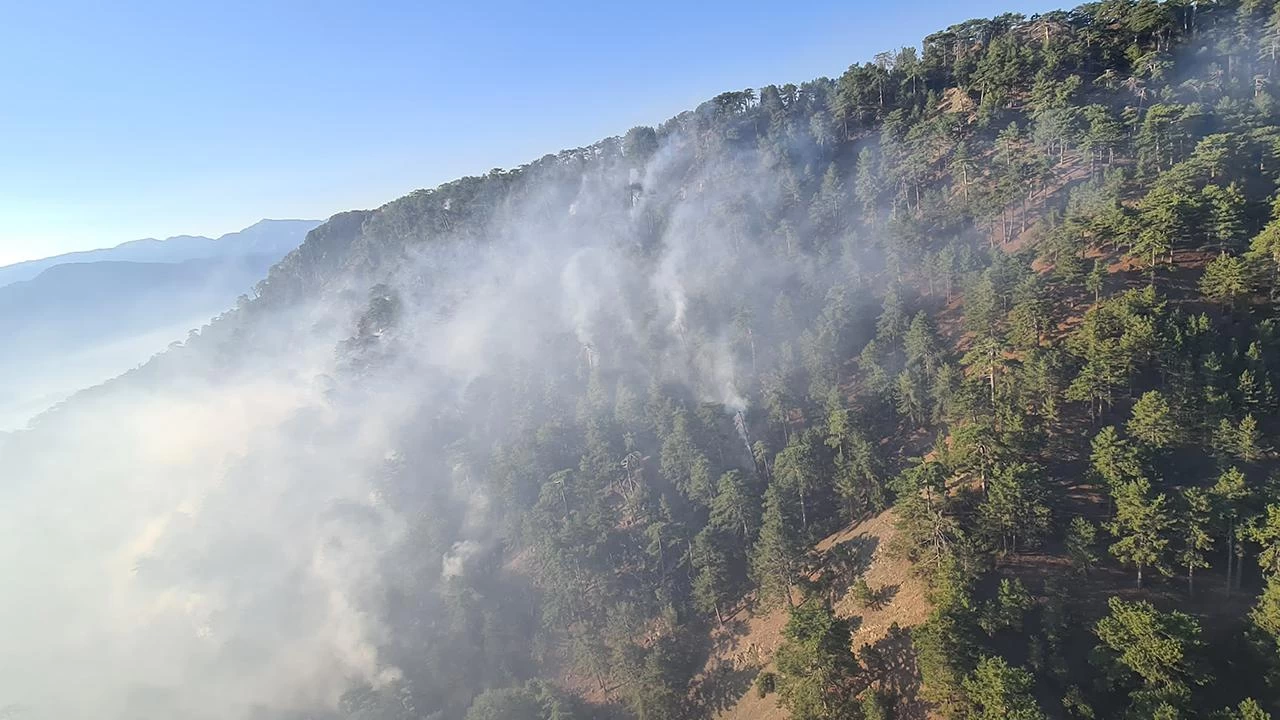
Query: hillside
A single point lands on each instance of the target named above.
(945, 388)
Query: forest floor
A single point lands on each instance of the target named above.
(746, 645)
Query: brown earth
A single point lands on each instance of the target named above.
(746, 645)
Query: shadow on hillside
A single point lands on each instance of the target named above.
(733, 628)
(890, 664)
(723, 685)
(882, 596)
(844, 563)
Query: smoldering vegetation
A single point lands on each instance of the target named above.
(511, 446)
(323, 489)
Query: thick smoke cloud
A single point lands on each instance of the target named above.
(180, 549)
(212, 537)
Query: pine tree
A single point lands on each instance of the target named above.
(1080, 540)
(1248, 439)
(826, 210)
(921, 345)
(1232, 494)
(1113, 460)
(910, 395)
(1096, 280)
(892, 323)
(816, 664)
(1152, 422)
(1265, 618)
(1225, 279)
(1266, 533)
(998, 691)
(796, 470)
(1248, 709)
(1159, 648)
(1226, 215)
(1014, 508)
(776, 559)
(1264, 251)
(927, 527)
(1194, 529)
(734, 509)
(1008, 609)
(712, 586)
(1225, 440)
(1141, 527)
(867, 183)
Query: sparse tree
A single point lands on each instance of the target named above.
(1080, 542)
(1141, 527)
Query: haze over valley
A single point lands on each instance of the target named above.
(943, 387)
(76, 320)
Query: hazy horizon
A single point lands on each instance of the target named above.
(946, 386)
(164, 239)
(279, 112)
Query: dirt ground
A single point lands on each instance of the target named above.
(747, 645)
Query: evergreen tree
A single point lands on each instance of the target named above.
(1113, 460)
(922, 347)
(734, 509)
(998, 691)
(1226, 214)
(816, 666)
(796, 469)
(1141, 527)
(1080, 540)
(827, 211)
(1096, 280)
(1232, 494)
(1225, 279)
(712, 585)
(1014, 508)
(1159, 648)
(1152, 422)
(777, 557)
(1266, 533)
(1247, 444)
(892, 323)
(1196, 513)
(1265, 619)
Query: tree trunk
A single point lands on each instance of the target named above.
(991, 377)
(1230, 553)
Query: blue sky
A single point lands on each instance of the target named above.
(139, 119)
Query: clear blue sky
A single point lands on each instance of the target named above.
(149, 119)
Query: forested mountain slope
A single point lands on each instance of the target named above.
(537, 444)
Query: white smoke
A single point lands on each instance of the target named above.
(455, 561)
(206, 537)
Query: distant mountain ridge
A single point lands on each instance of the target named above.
(110, 297)
(101, 312)
(266, 237)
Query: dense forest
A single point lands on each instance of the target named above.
(568, 429)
